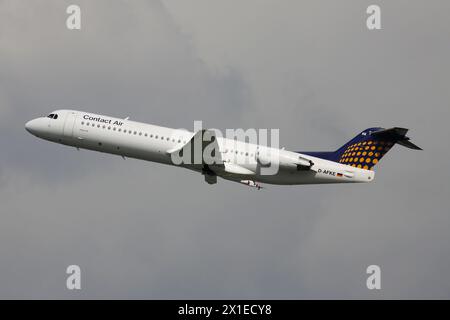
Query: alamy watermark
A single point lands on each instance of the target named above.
(73, 281)
(374, 280)
(73, 21)
(252, 147)
(373, 21)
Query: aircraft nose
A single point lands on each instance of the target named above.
(34, 126)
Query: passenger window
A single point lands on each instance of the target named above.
(140, 133)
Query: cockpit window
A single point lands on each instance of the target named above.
(52, 116)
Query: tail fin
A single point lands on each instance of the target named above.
(367, 148)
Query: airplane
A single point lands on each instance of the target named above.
(238, 161)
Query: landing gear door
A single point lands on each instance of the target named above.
(69, 124)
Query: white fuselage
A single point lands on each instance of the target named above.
(153, 143)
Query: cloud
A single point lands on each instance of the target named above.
(109, 66)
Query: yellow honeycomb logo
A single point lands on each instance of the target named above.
(365, 154)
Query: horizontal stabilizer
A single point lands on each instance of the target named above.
(408, 144)
(398, 135)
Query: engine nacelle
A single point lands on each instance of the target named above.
(287, 161)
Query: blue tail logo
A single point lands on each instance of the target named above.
(367, 148)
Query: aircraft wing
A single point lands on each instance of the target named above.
(200, 153)
(201, 149)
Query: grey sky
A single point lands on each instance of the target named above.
(142, 230)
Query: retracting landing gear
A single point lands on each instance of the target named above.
(210, 176)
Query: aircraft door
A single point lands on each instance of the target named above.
(69, 124)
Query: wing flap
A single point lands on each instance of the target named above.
(236, 169)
